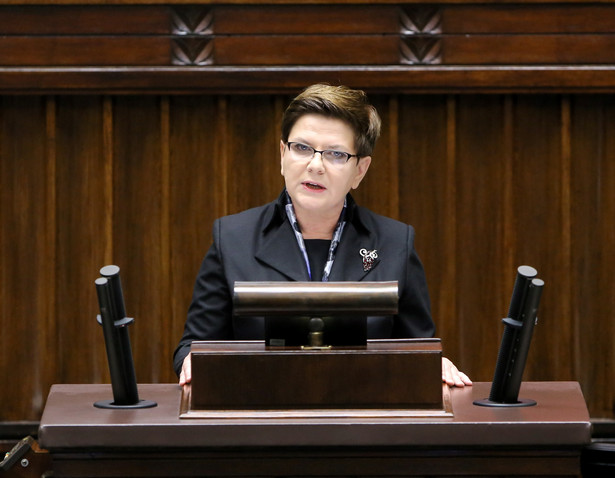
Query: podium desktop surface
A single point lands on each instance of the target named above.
(541, 440)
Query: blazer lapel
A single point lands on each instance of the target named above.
(348, 265)
(280, 251)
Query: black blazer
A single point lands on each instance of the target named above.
(259, 245)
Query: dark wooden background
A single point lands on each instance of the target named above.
(496, 166)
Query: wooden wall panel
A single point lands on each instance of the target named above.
(84, 19)
(489, 182)
(252, 152)
(592, 272)
(481, 275)
(384, 168)
(197, 191)
(528, 18)
(28, 322)
(138, 233)
(321, 50)
(84, 205)
(426, 199)
(142, 51)
(542, 224)
(528, 50)
(290, 19)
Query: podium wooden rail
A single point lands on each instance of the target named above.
(312, 441)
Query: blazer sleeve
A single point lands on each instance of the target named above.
(414, 311)
(211, 307)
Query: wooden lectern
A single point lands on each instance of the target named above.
(325, 373)
(392, 377)
(544, 440)
(376, 410)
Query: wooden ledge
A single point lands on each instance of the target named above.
(269, 80)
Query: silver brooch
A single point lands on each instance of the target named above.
(368, 258)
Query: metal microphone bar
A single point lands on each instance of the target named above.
(315, 298)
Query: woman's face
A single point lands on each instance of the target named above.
(315, 184)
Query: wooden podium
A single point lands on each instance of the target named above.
(386, 377)
(370, 411)
(543, 440)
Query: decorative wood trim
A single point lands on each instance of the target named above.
(192, 51)
(425, 19)
(229, 80)
(192, 20)
(486, 46)
(421, 50)
(195, 24)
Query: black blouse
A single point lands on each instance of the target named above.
(317, 251)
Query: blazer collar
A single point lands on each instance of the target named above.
(277, 214)
(280, 250)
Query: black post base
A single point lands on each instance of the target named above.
(522, 402)
(110, 405)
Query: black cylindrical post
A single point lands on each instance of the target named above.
(510, 336)
(117, 340)
(522, 341)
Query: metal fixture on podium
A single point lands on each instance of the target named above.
(117, 342)
(518, 330)
(315, 314)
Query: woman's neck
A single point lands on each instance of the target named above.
(317, 226)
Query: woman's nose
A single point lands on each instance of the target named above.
(316, 163)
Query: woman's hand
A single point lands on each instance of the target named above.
(186, 374)
(452, 376)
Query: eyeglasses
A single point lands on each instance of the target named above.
(304, 152)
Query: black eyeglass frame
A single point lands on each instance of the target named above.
(348, 155)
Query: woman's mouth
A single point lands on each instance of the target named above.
(313, 186)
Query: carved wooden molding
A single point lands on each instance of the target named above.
(192, 51)
(421, 19)
(420, 27)
(192, 44)
(174, 46)
(192, 20)
(421, 51)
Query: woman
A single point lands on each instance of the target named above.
(314, 231)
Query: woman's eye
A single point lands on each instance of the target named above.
(335, 155)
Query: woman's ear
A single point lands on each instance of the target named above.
(282, 146)
(362, 167)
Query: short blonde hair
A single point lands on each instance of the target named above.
(341, 102)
